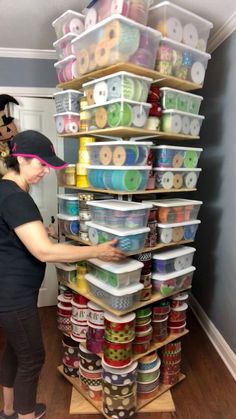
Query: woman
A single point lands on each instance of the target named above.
(24, 250)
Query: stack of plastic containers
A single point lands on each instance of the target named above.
(67, 27)
(183, 43)
(67, 117)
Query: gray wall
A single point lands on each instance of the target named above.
(214, 284)
(27, 72)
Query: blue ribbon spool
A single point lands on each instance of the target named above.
(163, 157)
(126, 180)
(143, 155)
(189, 232)
(187, 59)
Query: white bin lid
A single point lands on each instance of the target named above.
(118, 73)
(165, 277)
(65, 267)
(169, 89)
(121, 101)
(185, 223)
(68, 217)
(172, 147)
(118, 142)
(117, 205)
(67, 37)
(68, 197)
(174, 253)
(118, 292)
(91, 166)
(64, 92)
(120, 267)
(175, 111)
(67, 13)
(170, 169)
(66, 60)
(174, 202)
(118, 232)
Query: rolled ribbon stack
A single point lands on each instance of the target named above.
(170, 363)
(154, 98)
(148, 375)
(90, 373)
(71, 357)
(83, 160)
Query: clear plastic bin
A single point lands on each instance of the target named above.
(66, 272)
(178, 122)
(178, 60)
(66, 69)
(101, 9)
(172, 260)
(181, 101)
(128, 241)
(124, 215)
(68, 224)
(180, 24)
(67, 122)
(176, 157)
(63, 46)
(174, 233)
(67, 101)
(68, 204)
(130, 178)
(176, 178)
(114, 114)
(116, 39)
(119, 153)
(176, 210)
(167, 284)
(121, 85)
(118, 299)
(69, 22)
(116, 274)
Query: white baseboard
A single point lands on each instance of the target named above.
(221, 346)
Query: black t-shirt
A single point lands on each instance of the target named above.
(21, 274)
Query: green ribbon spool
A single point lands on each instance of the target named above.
(127, 180)
(119, 115)
(190, 159)
(128, 88)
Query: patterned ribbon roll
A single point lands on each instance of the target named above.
(119, 115)
(125, 156)
(122, 37)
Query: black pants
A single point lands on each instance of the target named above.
(23, 356)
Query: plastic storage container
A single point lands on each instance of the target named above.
(179, 100)
(66, 69)
(68, 204)
(119, 178)
(167, 284)
(67, 122)
(176, 178)
(121, 85)
(63, 46)
(181, 61)
(116, 274)
(124, 215)
(101, 9)
(128, 241)
(173, 260)
(176, 157)
(174, 233)
(115, 113)
(176, 210)
(119, 299)
(67, 101)
(68, 224)
(178, 122)
(66, 272)
(116, 39)
(119, 153)
(69, 22)
(180, 24)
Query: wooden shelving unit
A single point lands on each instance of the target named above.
(126, 193)
(141, 403)
(127, 132)
(145, 250)
(158, 78)
(155, 297)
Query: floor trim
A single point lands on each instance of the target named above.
(220, 344)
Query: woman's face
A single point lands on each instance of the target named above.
(32, 170)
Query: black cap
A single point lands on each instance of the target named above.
(33, 144)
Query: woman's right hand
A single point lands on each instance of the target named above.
(109, 252)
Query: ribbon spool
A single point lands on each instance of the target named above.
(75, 25)
(178, 181)
(190, 159)
(171, 28)
(167, 180)
(177, 160)
(101, 117)
(197, 72)
(100, 92)
(105, 155)
(172, 123)
(92, 61)
(166, 235)
(125, 156)
(170, 100)
(190, 180)
(190, 35)
(89, 96)
(122, 37)
(119, 114)
(82, 61)
(139, 116)
(194, 127)
(129, 180)
(177, 234)
(91, 18)
(84, 141)
(102, 54)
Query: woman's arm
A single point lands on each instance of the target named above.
(35, 238)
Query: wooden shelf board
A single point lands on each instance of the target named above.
(155, 297)
(124, 193)
(127, 132)
(158, 78)
(145, 250)
(98, 405)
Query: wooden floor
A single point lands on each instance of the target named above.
(209, 391)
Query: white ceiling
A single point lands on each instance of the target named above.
(27, 23)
